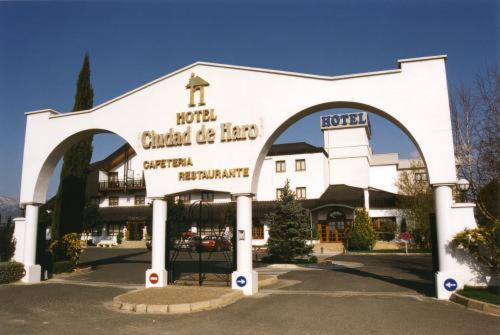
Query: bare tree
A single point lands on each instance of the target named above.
(416, 201)
(475, 132)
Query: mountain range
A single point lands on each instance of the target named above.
(9, 207)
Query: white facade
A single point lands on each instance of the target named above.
(239, 113)
(345, 159)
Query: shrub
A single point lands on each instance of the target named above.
(7, 244)
(68, 249)
(480, 243)
(11, 272)
(361, 236)
(63, 266)
(119, 238)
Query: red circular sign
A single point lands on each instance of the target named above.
(153, 278)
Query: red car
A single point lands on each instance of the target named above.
(215, 243)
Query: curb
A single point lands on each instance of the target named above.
(198, 306)
(476, 304)
(269, 281)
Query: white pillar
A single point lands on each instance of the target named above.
(244, 278)
(157, 275)
(443, 199)
(33, 271)
(366, 196)
(19, 228)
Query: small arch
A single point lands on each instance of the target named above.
(46, 171)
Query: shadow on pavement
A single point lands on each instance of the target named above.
(117, 259)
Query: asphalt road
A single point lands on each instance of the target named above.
(381, 295)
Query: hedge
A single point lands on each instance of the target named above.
(63, 266)
(11, 272)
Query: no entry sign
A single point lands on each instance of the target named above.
(153, 278)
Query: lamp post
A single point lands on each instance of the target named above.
(463, 187)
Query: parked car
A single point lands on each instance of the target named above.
(189, 241)
(215, 243)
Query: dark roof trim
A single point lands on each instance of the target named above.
(294, 148)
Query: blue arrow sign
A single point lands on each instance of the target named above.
(450, 284)
(241, 281)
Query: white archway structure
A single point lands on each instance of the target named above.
(261, 103)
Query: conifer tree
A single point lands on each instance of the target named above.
(361, 236)
(289, 228)
(70, 198)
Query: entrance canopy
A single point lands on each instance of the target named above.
(209, 126)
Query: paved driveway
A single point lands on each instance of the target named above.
(362, 295)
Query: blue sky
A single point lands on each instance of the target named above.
(131, 43)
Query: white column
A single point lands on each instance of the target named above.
(33, 271)
(443, 207)
(157, 275)
(244, 278)
(19, 228)
(366, 196)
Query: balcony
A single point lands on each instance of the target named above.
(120, 185)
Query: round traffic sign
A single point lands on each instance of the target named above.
(241, 281)
(153, 278)
(450, 284)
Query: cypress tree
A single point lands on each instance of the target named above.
(289, 228)
(70, 198)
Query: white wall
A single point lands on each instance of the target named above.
(384, 177)
(313, 178)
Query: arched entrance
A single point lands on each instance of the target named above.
(220, 143)
(334, 226)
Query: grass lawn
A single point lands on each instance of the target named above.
(480, 293)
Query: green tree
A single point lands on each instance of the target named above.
(361, 236)
(416, 202)
(289, 228)
(70, 197)
(91, 218)
(177, 217)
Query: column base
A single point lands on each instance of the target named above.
(156, 278)
(247, 281)
(447, 283)
(33, 274)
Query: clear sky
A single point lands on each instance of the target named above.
(131, 43)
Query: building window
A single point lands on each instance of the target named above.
(300, 165)
(280, 166)
(421, 176)
(385, 227)
(257, 231)
(207, 196)
(185, 197)
(234, 197)
(95, 201)
(113, 201)
(113, 179)
(140, 200)
(279, 193)
(300, 193)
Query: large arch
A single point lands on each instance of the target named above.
(414, 96)
(321, 107)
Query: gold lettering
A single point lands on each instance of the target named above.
(146, 139)
(213, 117)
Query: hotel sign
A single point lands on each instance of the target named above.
(344, 120)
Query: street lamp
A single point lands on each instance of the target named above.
(463, 187)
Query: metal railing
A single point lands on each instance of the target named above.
(122, 185)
